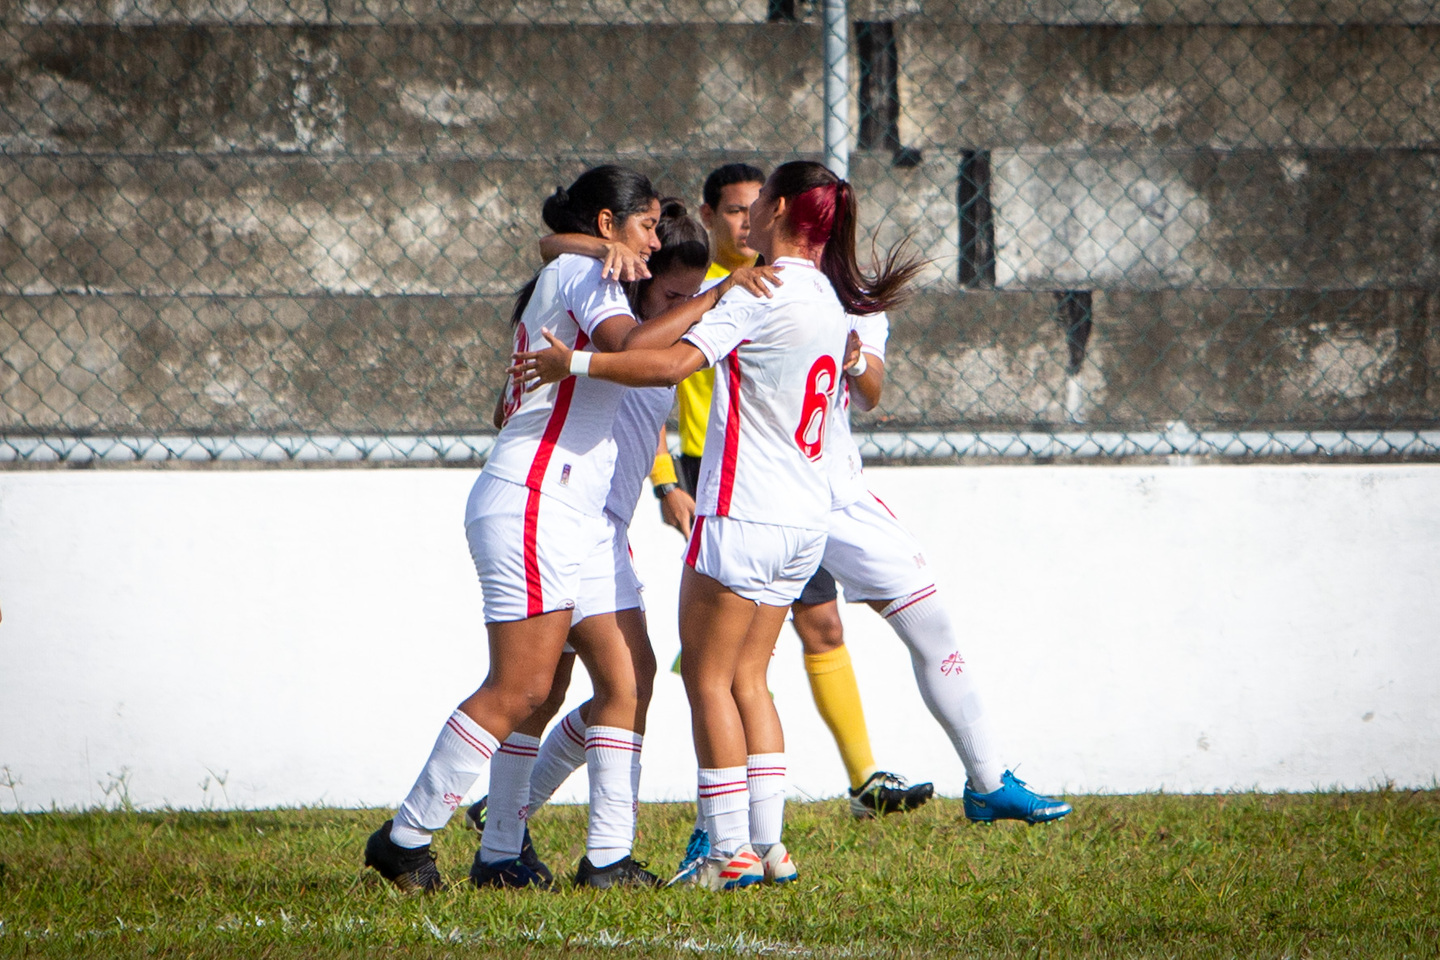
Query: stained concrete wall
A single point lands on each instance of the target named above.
(221, 216)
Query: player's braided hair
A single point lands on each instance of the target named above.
(823, 213)
(576, 209)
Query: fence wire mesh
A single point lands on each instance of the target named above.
(293, 229)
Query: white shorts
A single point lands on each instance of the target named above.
(608, 582)
(529, 549)
(872, 555)
(763, 562)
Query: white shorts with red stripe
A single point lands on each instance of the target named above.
(871, 554)
(763, 562)
(529, 549)
(608, 582)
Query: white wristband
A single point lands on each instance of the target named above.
(858, 367)
(580, 363)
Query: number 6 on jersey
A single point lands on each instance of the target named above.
(819, 383)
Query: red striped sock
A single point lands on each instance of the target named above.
(456, 761)
(765, 776)
(725, 805)
(610, 753)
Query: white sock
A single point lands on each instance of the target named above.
(725, 805)
(562, 753)
(946, 684)
(765, 777)
(509, 804)
(456, 762)
(610, 753)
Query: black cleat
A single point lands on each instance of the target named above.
(409, 869)
(625, 872)
(531, 859)
(512, 873)
(475, 816)
(886, 793)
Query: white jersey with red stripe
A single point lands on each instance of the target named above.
(842, 454)
(557, 439)
(637, 434)
(779, 361)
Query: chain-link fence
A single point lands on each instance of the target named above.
(293, 229)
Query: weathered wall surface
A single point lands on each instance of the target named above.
(252, 216)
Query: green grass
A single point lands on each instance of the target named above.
(1312, 875)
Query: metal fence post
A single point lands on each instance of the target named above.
(837, 87)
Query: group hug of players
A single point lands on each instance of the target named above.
(771, 316)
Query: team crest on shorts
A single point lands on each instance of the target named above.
(565, 475)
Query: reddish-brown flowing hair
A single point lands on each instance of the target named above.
(822, 213)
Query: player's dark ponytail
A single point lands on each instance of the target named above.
(823, 213)
(576, 209)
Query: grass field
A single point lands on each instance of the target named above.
(1313, 875)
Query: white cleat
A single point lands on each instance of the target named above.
(779, 868)
(730, 873)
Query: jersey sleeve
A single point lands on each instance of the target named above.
(725, 327)
(590, 298)
(874, 333)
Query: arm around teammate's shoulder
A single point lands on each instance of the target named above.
(632, 368)
(670, 326)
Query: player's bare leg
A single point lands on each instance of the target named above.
(764, 743)
(715, 624)
(523, 657)
(502, 816)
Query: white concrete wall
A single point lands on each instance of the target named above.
(258, 638)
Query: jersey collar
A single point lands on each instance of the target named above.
(793, 260)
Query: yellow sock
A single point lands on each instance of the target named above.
(837, 697)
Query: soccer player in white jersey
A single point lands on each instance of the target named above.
(878, 562)
(609, 588)
(764, 496)
(533, 517)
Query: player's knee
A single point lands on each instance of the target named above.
(749, 686)
(820, 630)
(523, 698)
(645, 682)
(551, 705)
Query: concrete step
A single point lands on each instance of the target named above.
(708, 12)
(517, 92)
(1222, 357)
(297, 225)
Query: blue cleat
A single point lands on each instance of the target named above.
(1013, 801)
(696, 852)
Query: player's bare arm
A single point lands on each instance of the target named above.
(618, 261)
(865, 372)
(670, 326)
(632, 368)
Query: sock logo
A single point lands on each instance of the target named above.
(452, 800)
(953, 664)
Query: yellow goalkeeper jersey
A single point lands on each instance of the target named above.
(694, 392)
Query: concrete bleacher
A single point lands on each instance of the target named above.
(312, 215)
